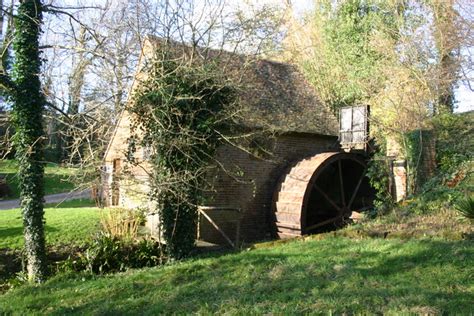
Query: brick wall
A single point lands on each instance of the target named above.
(427, 164)
(249, 184)
(410, 180)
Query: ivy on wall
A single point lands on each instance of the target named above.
(417, 146)
(180, 112)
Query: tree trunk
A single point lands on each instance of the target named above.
(72, 152)
(28, 104)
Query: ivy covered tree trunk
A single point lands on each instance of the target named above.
(28, 104)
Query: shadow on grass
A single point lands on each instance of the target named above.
(337, 275)
(10, 259)
(13, 232)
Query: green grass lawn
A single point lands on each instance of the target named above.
(330, 275)
(55, 180)
(410, 265)
(69, 223)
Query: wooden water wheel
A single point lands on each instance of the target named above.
(320, 191)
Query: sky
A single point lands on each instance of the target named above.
(465, 99)
(464, 95)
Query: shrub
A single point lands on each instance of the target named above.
(122, 223)
(108, 253)
(454, 142)
(453, 178)
(181, 111)
(466, 207)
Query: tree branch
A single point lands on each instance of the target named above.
(7, 83)
(54, 107)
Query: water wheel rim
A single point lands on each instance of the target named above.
(344, 210)
(290, 199)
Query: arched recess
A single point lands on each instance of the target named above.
(320, 191)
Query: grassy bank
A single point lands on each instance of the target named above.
(334, 274)
(399, 263)
(446, 223)
(56, 178)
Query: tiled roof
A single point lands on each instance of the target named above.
(272, 95)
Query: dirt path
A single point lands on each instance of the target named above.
(52, 198)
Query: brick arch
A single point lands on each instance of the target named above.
(292, 195)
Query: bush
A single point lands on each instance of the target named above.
(454, 142)
(453, 179)
(181, 111)
(378, 172)
(442, 191)
(466, 207)
(122, 223)
(108, 253)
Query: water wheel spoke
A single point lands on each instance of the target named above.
(357, 188)
(341, 184)
(325, 222)
(328, 199)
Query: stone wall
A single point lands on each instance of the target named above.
(131, 182)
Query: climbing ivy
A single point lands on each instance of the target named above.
(179, 110)
(28, 103)
(378, 172)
